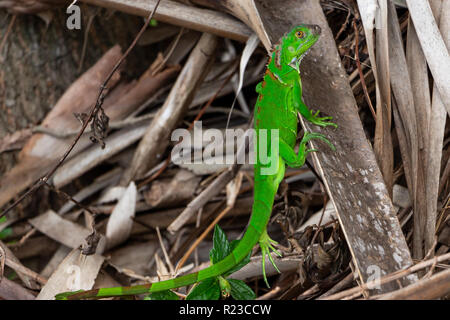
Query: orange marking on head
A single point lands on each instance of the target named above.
(263, 84)
(259, 99)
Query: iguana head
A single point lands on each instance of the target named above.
(297, 43)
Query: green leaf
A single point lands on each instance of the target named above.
(237, 267)
(5, 233)
(3, 219)
(205, 290)
(221, 246)
(153, 23)
(241, 291)
(163, 295)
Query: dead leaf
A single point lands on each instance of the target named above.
(121, 220)
(64, 231)
(76, 272)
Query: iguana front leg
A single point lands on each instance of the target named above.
(298, 103)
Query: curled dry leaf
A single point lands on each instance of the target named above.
(121, 220)
(74, 273)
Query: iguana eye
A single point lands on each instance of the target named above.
(299, 34)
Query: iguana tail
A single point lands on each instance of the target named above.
(264, 190)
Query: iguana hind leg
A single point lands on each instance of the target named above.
(267, 246)
(265, 242)
(295, 160)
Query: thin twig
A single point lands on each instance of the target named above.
(70, 198)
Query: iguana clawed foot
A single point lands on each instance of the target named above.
(303, 151)
(313, 135)
(321, 121)
(266, 244)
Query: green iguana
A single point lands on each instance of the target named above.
(277, 107)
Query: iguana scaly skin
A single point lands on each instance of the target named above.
(279, 101)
